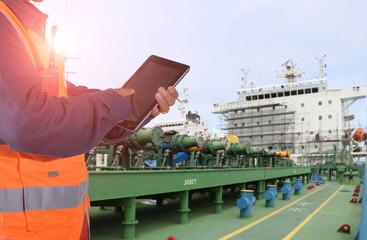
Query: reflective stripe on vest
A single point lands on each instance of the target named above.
(29, 195)
(42, 198)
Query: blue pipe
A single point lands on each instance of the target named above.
(246, 202)
(286, 190)
(320, 178)
(270, 195)
(361, 232)
(314, 177)
(298, 186)
(253, 200)
(165, 146)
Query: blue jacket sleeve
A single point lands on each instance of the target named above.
(78, 90)
(116, 134)
(34, 122)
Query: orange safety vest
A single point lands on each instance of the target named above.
(41, 197)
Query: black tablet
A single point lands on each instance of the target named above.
(154, 73)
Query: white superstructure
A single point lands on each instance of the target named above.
(189, 124)
(303, 116)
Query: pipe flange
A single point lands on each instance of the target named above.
(157, 136)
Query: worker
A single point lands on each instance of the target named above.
(317, 137)
(45, 127)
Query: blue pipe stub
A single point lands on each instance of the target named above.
(298, 186)
(314, 178)
(242, 203)
(245, 203)
(286, 190)
(253, 200)
(269, 195)
(320, 178)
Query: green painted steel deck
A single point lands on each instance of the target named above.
(158, 223)
(107, 185)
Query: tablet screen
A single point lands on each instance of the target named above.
(154, 73)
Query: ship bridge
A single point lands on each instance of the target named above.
(302, 117)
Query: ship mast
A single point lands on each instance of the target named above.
(245, 77)
(290, 73)
(184, 98)
(322, 66)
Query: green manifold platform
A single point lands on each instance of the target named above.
(122, 188)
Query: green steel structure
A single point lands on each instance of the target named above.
(122, 188)
(183, 166)
(331, 162)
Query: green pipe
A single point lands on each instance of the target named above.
(182, 143)
(184, 207)
(243, 186)
(218, 200)
(236, 148)
(212, 146)
(130, 221)
(260, 189)
(257, 153)
(159, 158)
(144, 136)
(217, 159)
(329, 174)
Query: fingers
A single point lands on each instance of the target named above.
(173, 91)
(165, 99)
(167, 96)
(163, 105)
(155, 112)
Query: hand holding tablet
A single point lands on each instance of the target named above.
(165, 98)
(151, 84)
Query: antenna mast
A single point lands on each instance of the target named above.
(245, 77)
(322, 66)
(184, 98)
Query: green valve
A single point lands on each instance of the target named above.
(144, 136)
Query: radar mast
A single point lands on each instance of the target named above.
(184, 98)
(322, 66)
(290, 73)
(245, 77)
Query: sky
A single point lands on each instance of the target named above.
(111, 39)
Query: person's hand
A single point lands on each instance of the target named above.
(165, 99)
(129, 92)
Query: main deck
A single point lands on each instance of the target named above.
(316, 213)
(112, 185)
